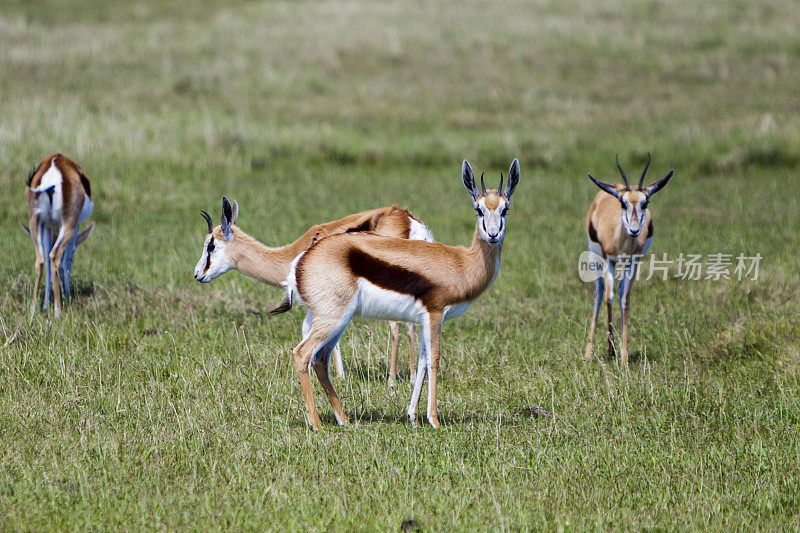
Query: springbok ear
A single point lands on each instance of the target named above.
(469, 180)
(606, 187)
(25, 228)
(84, 235)
(235, 216)
(657, 186)
(513, 179)
(227, 217)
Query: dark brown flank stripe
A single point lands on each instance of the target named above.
(364, 226)
(650, 229)
(388, 276)
(593, 233)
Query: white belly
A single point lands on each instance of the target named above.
(377, 303)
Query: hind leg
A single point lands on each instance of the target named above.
(320, 364)
(315, 347)
(56, 256)
(46, 245)
(36, 233)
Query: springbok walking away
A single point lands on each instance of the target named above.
(367, 276)
(228, 247)
(59, 198)
(619, 227)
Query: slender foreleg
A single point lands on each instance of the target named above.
(608, 274)
(436, 320)
(599, 288)
(419, 380)
(625, 287)
(411, 331)
(394, 336)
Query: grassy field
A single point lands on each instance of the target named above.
(158, 403)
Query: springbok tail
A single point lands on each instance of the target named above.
(285, 305)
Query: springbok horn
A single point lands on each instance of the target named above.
(641, 180)
(483, 187)
(624, 177)
(208, 219)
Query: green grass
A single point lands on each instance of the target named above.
(158, 403)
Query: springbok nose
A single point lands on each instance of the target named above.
(493, 235)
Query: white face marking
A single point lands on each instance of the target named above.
(492, 222)
(214, 263)
(633, 212)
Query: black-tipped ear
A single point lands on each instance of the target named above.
(657, 186)
(227, 217)
(513, 179)
(610, 189)
(469, 180)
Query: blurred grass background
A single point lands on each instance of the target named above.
(158, 403)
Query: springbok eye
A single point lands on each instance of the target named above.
(210, 246)
(644, 206)
(478, 210)
(505, 210)
(624, 206)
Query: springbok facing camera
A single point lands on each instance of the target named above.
(58, 195)
(368, 276)
(228, 247)
(619, 226)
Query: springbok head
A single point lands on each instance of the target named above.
(633, 202)
(491, 205)
(214, 261)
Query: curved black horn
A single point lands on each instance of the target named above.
(641, 180)
(500, 189)
(208, 219)
(483, 186)
(624, 177)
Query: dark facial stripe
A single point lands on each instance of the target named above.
(208, 254)
(650, 229)
(388, 276)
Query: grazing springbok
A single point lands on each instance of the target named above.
(227, 247)
(59, 198)
(620, 228)
(370, 276)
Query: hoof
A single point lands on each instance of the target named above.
(434, 422)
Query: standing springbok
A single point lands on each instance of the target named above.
(59, 198)
(614, 225)
(228, 247)
(369, 276)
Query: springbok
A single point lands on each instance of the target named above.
(370, 276)
(59, 198)
(615, 225)
(228, 247)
